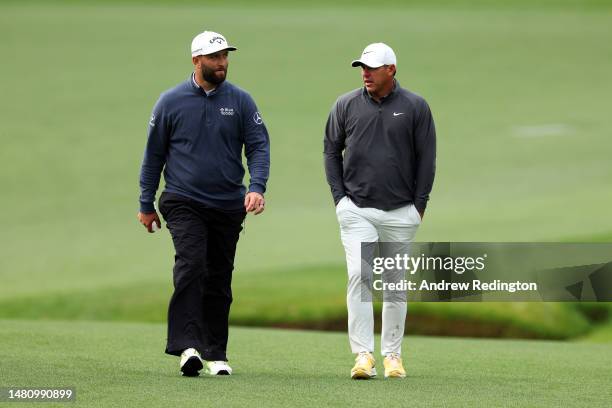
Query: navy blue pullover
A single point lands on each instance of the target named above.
(199, 139)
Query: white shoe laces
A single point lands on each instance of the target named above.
(362, 357)
(393, 356)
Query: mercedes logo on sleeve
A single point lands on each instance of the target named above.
(257, 118)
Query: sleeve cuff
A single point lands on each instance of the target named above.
(338, 197)
(147, 208)
(257, 188)
(420, 206)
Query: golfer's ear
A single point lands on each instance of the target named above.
(195, 60)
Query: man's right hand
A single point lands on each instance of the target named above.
(148, 219)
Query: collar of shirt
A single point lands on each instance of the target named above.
(195, 83)
(396, 86)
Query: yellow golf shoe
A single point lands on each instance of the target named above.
(393, 366)
(364, 366)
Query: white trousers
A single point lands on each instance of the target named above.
(359, 225)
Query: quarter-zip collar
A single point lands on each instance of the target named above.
(389, 96)
(197, 88)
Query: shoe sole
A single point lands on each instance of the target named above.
(395, 374)
(192, 367)
(363, 374)
(218, 372)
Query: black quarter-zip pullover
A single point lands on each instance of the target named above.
(381, 154)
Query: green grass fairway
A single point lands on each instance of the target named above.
(520, 96)
(120, 364)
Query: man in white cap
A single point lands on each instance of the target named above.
(197, 132)
(379, 150)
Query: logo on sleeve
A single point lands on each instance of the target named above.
(257, 118)
(152, 121)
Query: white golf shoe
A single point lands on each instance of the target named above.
(191, 363)
(218, 368)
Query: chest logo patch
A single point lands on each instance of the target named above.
(227, 111)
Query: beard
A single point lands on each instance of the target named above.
(211, 76)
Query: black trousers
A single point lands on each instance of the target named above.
(205, 243)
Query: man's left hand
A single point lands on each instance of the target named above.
(254, 202)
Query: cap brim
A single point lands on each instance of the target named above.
(213, 51)
(370, 64)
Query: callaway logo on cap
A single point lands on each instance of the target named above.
(209, 42)
(376, 55)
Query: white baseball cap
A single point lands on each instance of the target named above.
(209, 42)
(376, 55)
